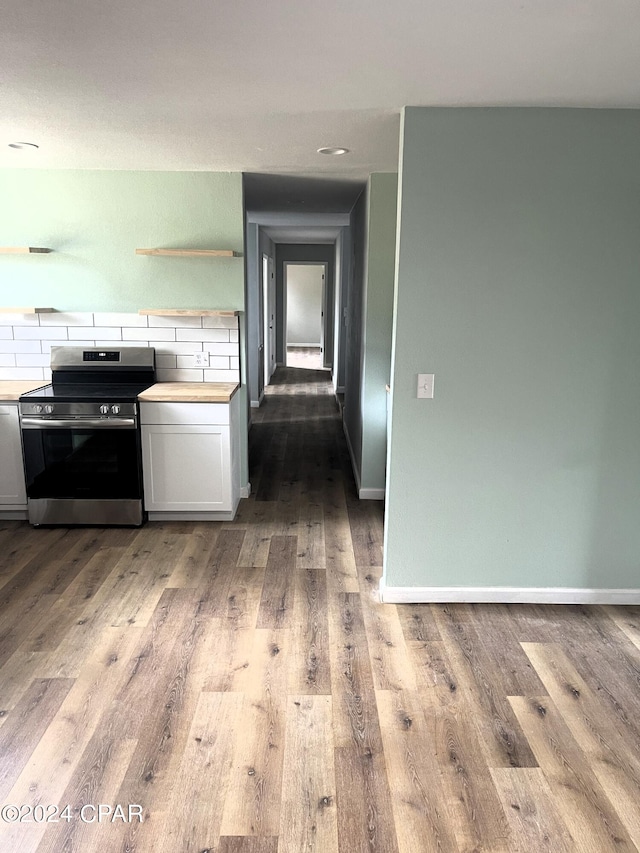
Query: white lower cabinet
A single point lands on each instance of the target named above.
(190, 460)
(13, 495)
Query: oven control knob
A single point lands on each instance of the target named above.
(48, 410)
(37, 409)
(115, 410)
(104, 410)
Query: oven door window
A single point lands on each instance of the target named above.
(82, 463)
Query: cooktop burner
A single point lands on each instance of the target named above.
(86, 393)
(95, 375)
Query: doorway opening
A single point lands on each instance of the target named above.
(304, 304)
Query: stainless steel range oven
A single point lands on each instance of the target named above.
(81, 437)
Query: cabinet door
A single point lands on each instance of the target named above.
(186, 468)
(12, 489)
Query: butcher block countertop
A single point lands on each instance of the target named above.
(189, 392)
(11, 389)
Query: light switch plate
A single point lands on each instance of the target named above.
(201, 359)
(425, 385)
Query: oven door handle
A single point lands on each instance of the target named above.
(78, 423)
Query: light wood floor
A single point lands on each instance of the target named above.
(242, 683)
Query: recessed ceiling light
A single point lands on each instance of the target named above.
(333, 150)
(23, 145)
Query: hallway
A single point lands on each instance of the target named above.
(243, 685)
(302, 483)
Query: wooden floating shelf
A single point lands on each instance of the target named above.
(191, 253)
(27, 310)
(185, 312)
(23, 250)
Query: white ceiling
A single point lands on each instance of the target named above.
(259, 86)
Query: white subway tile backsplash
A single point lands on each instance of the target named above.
(167, 348)
(90, 333)
(219, 362)
(185, 361)
(19, 319)
(26, 342)
(221, 349)
(167, 375)
(220, 322)
(20, 346)
(66, 319)
(202, 335)
(115, 319)
(37, 333)
(46, 345)
(120, 344)
(32, 360)
(169, 360)
(221, 376)
(148, 334)
(175, 322)
(21, 373)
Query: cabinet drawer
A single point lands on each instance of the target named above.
(184, 413)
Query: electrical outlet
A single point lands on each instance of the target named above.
(425, 385)
(201, 359)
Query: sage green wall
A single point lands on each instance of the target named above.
(94, 221)
(378, 321)
(518, 285)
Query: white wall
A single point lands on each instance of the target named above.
(304, 304)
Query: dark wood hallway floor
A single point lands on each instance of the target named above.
(243, 686)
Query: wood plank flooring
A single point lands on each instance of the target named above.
(242, 684)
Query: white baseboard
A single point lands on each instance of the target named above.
(354, 468)
(371, 494)
(13, 515)
(245, 491)
(191, 516)
(363, 494)
(505, 595)
(340, 389)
